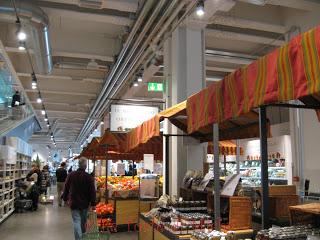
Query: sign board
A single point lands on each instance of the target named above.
(121, 169)
(230, 184)
(155, 87)
(158, 168)
(148, 160)
(126, 117)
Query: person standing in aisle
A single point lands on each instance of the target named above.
(80, 193)
(45, 181)
(61, 175)
(35, 176)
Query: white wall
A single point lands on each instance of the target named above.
(311, 140)
(310, 125)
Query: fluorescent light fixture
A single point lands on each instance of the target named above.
(200, 8)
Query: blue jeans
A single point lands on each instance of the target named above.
(79, 218)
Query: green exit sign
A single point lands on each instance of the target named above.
(155, 87)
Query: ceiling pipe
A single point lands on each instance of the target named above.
(39, 21)
(112, 80)
(126, 47)
(138, 59)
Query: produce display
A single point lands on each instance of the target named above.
(122, 187)
(104, 208)
(105, 223)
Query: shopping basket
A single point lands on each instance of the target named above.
(92, 229)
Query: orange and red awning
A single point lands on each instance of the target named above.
(288, 73)
(225, 148)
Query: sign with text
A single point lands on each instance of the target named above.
(126, 117)
(148, 162)
(155, 87)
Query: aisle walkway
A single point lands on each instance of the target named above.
(48, 223)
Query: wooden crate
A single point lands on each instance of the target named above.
(240, 213)
(279, 206)
(281, 190)
(126, 211)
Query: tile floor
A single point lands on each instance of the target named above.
(48, 223)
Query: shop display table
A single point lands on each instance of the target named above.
(305, 214)
(148, 230)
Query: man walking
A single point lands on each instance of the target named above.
(80, 193)
(61, 175)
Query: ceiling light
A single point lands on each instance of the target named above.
(101, 123)
(39, 100)
(200, 8)
(48, 124)
(34, 87)
(43, 112)
(135, 84)
(22, 46)
(46, 119)
(139, 79)
(21, 35)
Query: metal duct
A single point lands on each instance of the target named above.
(34, 16)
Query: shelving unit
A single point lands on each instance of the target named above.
(15, 163)
(7, 181)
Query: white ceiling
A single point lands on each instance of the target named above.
(78, 35)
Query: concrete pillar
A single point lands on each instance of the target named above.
(184, 75)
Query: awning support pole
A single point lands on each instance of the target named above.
(225, 164)
(238, 156)
(264, 166)
(216, 177)
(166, 173)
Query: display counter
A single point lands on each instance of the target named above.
(148, 230)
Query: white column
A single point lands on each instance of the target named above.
(184, 74)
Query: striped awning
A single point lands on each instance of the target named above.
(288, 73)
(225, 148)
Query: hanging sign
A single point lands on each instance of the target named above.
(155, 87)
(121, 169)
(148, 160)
(126, 117)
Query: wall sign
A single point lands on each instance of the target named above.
(126, 117)
(155, 87)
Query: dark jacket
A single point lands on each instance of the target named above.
(79, 190)
(61, 174)
(38, 172)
